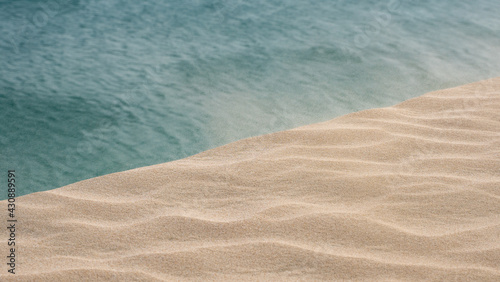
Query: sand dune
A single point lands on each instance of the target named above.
(409, 192)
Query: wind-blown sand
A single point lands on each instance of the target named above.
(407, 192)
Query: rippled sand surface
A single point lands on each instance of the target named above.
(409, 192)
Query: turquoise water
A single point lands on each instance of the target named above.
(93, 87)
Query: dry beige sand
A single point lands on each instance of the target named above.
(409, 192)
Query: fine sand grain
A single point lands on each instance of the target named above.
(409, 192)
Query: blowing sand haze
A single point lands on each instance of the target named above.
(409, 192)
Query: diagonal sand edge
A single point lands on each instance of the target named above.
(404, 192)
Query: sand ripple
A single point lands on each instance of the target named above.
(409, 192)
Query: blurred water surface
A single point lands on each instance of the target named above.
(93, 87)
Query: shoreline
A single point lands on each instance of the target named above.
(402, 192)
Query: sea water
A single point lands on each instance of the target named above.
(93, 87)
